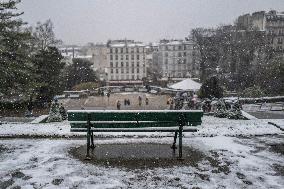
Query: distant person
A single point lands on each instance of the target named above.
(171, 104)
(63, 112)
(118, 104)
(125, 102)
(140, 100)
(147, 101)
(128, 102)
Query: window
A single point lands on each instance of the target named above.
(137, 57)
(132, 64)
(179, 54)
(127, 64)
(122, 70)
(126, 50)
(116, 50)
(184, 61)
(111, 64)
(126, 57)
(133, 77)
(121, 50)
(110, 50)
(132, 70)
(179, 48)
(110, 57)
(116, 70)
(116, 57)
(132, 57)
(116, 64)
(132, 50)
(166, 61)
(121, 57)
(144, 70)
(111, 70)
(137, 64)
(137, 50)
(121, 64)
(127, 70)
(279, 40)
(111, 77)
(184, 53)
(137, 70)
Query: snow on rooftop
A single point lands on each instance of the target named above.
(120, 45)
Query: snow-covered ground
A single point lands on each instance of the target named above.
(45, 163)
(211, 126)
(249, 154)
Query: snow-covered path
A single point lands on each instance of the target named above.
(46, 163)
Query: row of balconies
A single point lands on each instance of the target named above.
(131, 70)
(126, 65)
(126, 50)
(126, 57)
(126, 77)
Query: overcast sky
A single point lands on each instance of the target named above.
(82, 21)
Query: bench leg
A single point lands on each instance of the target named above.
(88, 140)
(92, 140)
(175, 140)
(180, 143)
(88, 147)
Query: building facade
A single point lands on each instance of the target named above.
(272, 23)
(98, 52)
(177, 59)
(126, 61)
(275, 29)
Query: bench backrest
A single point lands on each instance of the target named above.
(134, 118)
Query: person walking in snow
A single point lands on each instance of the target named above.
(118, 104)
(147, 101)
(140, 100)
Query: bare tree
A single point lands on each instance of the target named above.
(44, 35)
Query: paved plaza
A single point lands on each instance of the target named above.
(156, 102)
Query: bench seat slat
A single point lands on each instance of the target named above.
(149, 129)
(130, 124)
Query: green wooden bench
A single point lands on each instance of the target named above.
(177, 121)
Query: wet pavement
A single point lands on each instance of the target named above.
(135, 156)
(156, 102)
(268, 115)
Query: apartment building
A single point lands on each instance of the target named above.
(272, 23)
(126, 62)
(177, 59)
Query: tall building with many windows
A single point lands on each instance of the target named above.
(271, 23)
(177, 59)
(126, 62)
